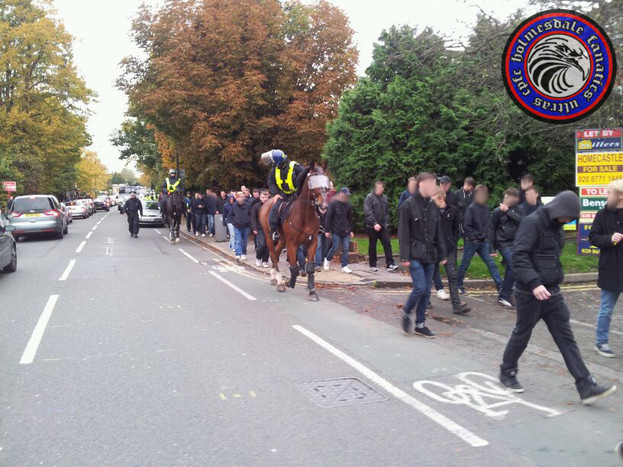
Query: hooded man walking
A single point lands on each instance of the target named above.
(538, 275)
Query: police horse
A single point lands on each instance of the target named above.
(299, 226)
(174, 208)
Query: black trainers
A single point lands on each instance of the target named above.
(407, 323)
(509, 381)
(591, 391)
(461, 309)
(424, 332)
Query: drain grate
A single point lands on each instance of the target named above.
(340, 392)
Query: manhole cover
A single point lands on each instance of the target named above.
(340, 392)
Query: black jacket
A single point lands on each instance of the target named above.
(504, 227)
(272, 180)
(255, 216)
(452, 199)
(133, 205)
(419, 231)
(339, 218)
(198, 206)
(528, 209)
(227, 211)
(477, 222)
(539, 242)
(463, 200)
(241, 215)
(450, 224)
(606, 222)
(376, 210)
(210, 204)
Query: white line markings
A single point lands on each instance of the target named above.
(89, 235)
(189, 256)
(450, 425)
(588, 325)
(33, 344)
(233, 286)
(81, 246)
(157, 231)
(68, 269)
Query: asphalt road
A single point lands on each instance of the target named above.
(121, 351)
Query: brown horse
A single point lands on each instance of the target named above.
(300, 228)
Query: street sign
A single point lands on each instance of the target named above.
(598, 156)
(592, 199)
(9, 186)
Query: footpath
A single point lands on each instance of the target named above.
(361, 275)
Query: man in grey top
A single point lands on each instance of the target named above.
(376, 213)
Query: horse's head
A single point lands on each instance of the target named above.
(318, 184)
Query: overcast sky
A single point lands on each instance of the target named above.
(101, 35)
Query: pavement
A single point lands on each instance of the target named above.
(122, 351)
(361, 274)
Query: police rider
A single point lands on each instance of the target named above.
(170, 185)
(281, 182)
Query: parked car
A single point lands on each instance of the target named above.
(77, 209)
(37, 214)
(85, 202)
(102, 203)
(8, 248)
(67, 213)
(151, 214)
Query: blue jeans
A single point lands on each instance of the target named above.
(608, 301)
(242, 238)
(482, 248)
(211, 223)
(338, 240)
(506, 292)
(422, 277)
(232, 235)
(437, 279)
(200, 223)
(323, 248)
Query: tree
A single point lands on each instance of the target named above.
(129, 176)
(92, 176)
(42, 100)
(227, 80)
(117, 179)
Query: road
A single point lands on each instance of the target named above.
(121, 351)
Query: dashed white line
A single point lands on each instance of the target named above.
(157, 231)
(450, 425)
(81, 246)
(189, 256)
(33, 344)
(89, 235)
(588, 325)
(233, 286)
(94, 227)
(68, 269)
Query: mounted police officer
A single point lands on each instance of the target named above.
(282, 183)
(132, 208)
(170, 185)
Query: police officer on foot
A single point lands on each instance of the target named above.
(538, 274)
(132, 208)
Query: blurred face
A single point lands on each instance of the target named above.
(445, 186)
(256, 194)
(615, 199)
(525, 184)
(510, 200)
(411, 186)
(468, 187)
(481, 197)
(532, 197)
(240, 198)
(223, 194)
(428, 187)
(263, 197)
(439, 201)
(378, 189)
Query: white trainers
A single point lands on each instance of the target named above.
(327, 264)
(258, 262)
(238, 259)
(347, 270)
(266, 265)
(196, 234)
(203, 235)
(442, 295)
(244, 257)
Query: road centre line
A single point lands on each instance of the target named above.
(233, 286)
(33, 344)
(157, 231)
(588, 325)
(81, 246)
(189, 256)
(89, 235)
(68, 269)
(450, 425)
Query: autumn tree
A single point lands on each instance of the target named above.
(227, 80)
(92, 176)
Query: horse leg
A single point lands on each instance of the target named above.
(294, 267)
(275, 275)
(178, 222)
(311, 269)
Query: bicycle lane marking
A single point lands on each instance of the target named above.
(450, 425)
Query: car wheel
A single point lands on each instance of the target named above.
(12, 266)
(66, 231)
(59, 235)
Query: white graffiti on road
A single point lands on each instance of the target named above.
(480, 392)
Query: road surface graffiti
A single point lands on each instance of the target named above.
(480, 392)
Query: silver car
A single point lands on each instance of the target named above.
(8, 249)
(151, 214)
(77, 210)
(37, 214)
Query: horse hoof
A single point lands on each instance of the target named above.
(273, 282)
(281, 288)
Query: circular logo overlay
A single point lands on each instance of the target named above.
(559, 66)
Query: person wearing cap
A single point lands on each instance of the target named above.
(538, 275)
(339, 226)
(445, 182)
(132, 208)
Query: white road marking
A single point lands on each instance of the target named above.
(450, 425)
(233, 286)
(89, 235)
(167, 239)
(189, 256)
(68, 269)
(33, 344)
(588, 325)
(94, 227)
(81, 246)
(157, 231)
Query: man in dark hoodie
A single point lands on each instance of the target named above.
(376, 213)
(339, 225)
(241, 220)
(538, 275)
(261, 248)
(476, 225)
(421, 246)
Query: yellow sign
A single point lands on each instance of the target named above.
(599, 168)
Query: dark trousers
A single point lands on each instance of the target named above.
(261, 249)
(437, 279)
(509, 279)
(556, 315)
(383, 236)
(133, 222)
(451, 272)
(189, 221)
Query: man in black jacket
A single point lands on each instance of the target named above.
(532, 200)
(538, 275)
(465, 196)
(376, 213)
(241, 219)
(505, 221)
(476, 226)
(450, 233)
(132, 208)
(261, 248)
(607, 234)
(421, 246)
(339, 226)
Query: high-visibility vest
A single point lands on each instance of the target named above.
(171, 188)
(287, 185)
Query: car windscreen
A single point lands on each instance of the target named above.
(35, 204)
(151, 205)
